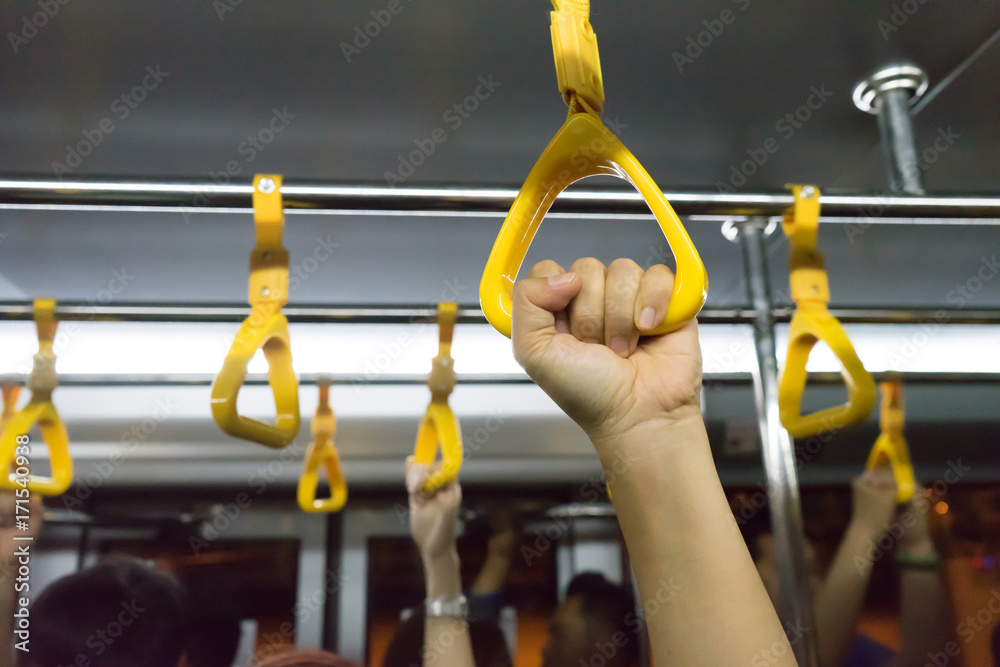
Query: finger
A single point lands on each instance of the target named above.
(547, 269)
(620, 289)
(586, 310)
(416, 475)
(536, 300)
(653, 297)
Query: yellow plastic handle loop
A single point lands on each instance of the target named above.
(322, 453)
(584, 147)
(890, 446)
(41, 411)
(813, 323)
(266, 328)
(440, 425)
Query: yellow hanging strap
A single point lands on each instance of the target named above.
(266, 328)
(584, 147)
(322, 453)
(11, 392)
(440, 425)
(890, 447)
(813, 323)
(14, 439)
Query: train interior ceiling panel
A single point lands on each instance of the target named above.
(831, 169)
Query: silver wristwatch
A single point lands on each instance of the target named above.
(445, 606)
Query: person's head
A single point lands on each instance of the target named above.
(119, 613)
(305, 659)
(489, 646)
(212, 639)
(597, 617)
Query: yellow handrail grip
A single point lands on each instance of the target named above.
(266, 328)
(812, 323)
(439, 425)
(890, 446)
(322, 453)
(39, 410)
(584, 147)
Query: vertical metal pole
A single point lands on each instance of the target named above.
(889, 94)
(779, 452)
(898, 145)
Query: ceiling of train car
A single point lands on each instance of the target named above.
(286, 72)
(221, 75)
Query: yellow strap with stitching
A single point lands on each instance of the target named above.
(322, 453)
(813, 323)
(890, 447)
(440, 425)
(39, 410)
(584, 147)
(266, 328)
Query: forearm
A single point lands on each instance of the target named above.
(493, 574)
(446, 638)
(840, 599)
(925, 622)
(685, 547)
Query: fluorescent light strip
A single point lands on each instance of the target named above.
(128, 348)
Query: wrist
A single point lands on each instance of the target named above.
(681, 428)
(443, 575)
(921, 548)
(865, 530)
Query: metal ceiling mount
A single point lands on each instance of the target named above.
(889, 94)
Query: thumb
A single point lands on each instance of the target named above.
(536, 301)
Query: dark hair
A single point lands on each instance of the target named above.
(212, 625)
(612, 606)
(119, 613)
(489, 646)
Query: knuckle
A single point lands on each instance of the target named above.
(624, 264)
(588, 264)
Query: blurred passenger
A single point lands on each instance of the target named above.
(489, 646)
(485, 595)
(213, 629)
(838, 597)
(433, 524)
(118, 613)
(304, 659)
(596, 618)
(9, 562)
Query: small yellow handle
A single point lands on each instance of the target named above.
(39, 410)
(585, 147)
(812, 323)
(266, 328)
(322, 453)
(890, 447)
(440, 425)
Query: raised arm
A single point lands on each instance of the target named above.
(577, 335)
(926, 624)
(433, 522)
(842, 595)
